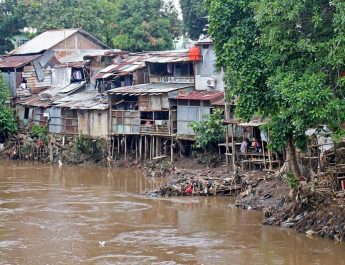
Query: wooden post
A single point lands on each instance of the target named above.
(140, 147)
(136, 148)
(112, 146)
(172, 150)
(158, 146)
(125, 147)
(233, 148)
(263, 152)
(118, 144)
(268, 149)
(150, 142)
(145, 149)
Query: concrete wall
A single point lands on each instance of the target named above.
(206, 69)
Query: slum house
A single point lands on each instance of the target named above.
(28, 67)
(82, 114)
(207, 77)
(254, 154)
(145, 116)
(126, 70)
(46, 74)
(70, 76)
(171, 67)
(27, 74)
(192, 107)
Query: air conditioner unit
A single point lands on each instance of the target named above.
(211, 82)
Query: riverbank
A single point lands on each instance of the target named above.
(316, 209)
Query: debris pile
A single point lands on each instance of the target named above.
(313, 213)
(215, 182)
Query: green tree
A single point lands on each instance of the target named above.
(93, 16)
(11, 21)
(145, 25)
(7, 121)
(194, 15)
(284, 60)
(210, 130)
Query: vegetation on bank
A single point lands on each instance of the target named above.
(8, 124)
(285, 61)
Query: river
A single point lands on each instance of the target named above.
(91, 215)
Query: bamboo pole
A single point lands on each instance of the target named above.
(172, 150)
(118, 144)
(140, 147)
(145, 149)
(268, 149)
(125, 147)
(233, 148)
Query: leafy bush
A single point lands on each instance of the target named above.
(8, 123)
(38, 131)
(88, 146)
(292, 180)
(209, 131)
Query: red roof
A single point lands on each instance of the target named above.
(16, 61)
(202, 95)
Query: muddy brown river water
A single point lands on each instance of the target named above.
(52, 215)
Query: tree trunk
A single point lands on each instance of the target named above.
(292, 158)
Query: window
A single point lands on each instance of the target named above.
(158, 68)
(183, 69)
(26, 113)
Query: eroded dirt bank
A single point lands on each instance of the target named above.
(316, 209)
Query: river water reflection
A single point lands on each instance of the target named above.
(58, 216)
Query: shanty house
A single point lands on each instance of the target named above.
(126, 70)
(85, 113)
(170, 67)
(145, 109)
(191, 107)
(27, 69)
(207, 77)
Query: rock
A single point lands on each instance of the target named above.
(340, 194)
(311, 233)
(287, 224)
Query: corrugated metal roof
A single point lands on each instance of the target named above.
(84, 100)
(153, 88)
(218, 102)
(44, 41)
(202, 95)
(16, 61)
(168, 56)
(49, 39)
(125, 66)
(73, 86)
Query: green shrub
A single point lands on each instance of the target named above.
(292, 180)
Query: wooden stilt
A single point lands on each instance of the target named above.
(140, 147)
(136, 148)
(125, 147)
(150, 143)
(158, 146)
(263, 153)
(145, 149)
(113, 147)
(118, 144)
(172, 151)
(268, 149)
(233, 148)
